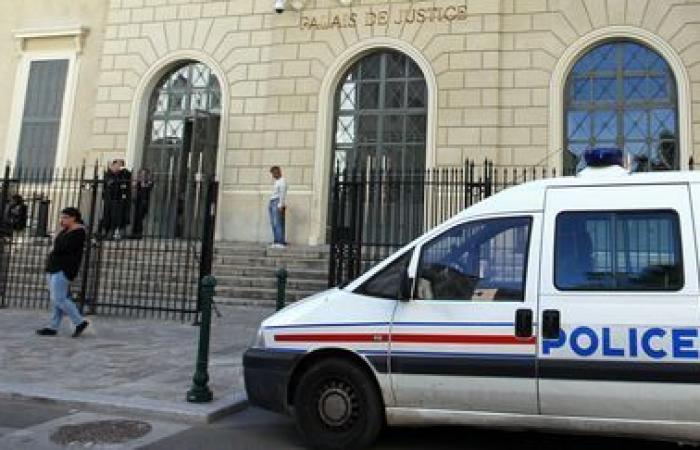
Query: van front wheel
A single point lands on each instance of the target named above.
(337, 406)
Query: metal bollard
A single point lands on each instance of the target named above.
(200, 392)
(281, 275)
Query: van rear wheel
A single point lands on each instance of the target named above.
(337, 406)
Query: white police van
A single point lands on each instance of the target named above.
(561, 304)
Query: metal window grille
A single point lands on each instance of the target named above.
(622, 94)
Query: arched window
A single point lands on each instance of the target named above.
(622, 94)
(190, 91)
(381, 114)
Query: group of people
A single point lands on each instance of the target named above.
(65, 258)
(119, 190)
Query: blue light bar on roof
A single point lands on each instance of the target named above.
(603, 157)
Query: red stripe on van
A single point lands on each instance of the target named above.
(483, 339)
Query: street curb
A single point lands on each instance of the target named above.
(183, 412)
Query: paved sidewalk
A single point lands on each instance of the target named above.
(121, 364)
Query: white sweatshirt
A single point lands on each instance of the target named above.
(279, 191)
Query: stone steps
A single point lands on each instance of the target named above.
(246, 273)
(260, 293)
(271, 261)
(271, 282)
(269, 272)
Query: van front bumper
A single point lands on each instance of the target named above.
(267, 374)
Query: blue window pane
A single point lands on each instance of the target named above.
(604, 58)
(636, 57)
(581, 90)
(604, 89)
(618, 93)
(635, 87)
(579, 125)
(663, 121)
(658, 88)
(604, 125)
(636, 124)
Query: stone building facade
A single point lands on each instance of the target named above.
(502, 81)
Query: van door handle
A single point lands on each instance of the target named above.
(551, 324)
(523, 323)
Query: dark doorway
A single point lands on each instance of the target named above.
(182, 144)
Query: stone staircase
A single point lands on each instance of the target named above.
(245, 272)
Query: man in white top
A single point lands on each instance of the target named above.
(277, 207)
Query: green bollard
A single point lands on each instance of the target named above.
(200, 392)
(281, 286)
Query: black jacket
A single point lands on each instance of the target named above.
(67, 253)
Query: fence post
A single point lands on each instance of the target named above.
(281, 275)
(200, 392)
(93, 185)
(335, 199)
(5, 241)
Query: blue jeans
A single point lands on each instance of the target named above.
(277, 221)
(61, 303)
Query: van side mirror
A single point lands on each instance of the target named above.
(405, 286)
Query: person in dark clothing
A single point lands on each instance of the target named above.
(117, 199)
(144, 186)
(62, 267)
(16, 213)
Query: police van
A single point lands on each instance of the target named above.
(566, 304)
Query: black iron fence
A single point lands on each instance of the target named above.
(375, 212)
(147, 247)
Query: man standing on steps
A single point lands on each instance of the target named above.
(278, 207)
(62, 268)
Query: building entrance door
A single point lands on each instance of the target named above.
(179, 168)
(181, 146)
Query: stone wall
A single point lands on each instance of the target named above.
(46, 20)
(497, 73)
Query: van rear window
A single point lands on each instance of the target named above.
(618, 251)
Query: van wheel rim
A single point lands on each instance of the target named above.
(337, 405)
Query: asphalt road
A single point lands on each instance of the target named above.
(254, 429)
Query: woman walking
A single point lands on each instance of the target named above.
(62, 267)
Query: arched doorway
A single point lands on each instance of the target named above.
(183, 121)
(381, 115)
(377, 198)
(622, 94)
(181, 143)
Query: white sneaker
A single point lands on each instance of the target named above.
(278, 246)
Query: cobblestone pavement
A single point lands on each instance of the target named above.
(129, 358)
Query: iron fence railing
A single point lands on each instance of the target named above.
(375, 212)
(146, 264)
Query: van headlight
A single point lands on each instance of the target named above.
(259, 341)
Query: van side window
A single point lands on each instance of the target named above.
(476, 261)
(618, 251)
(387, 282)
